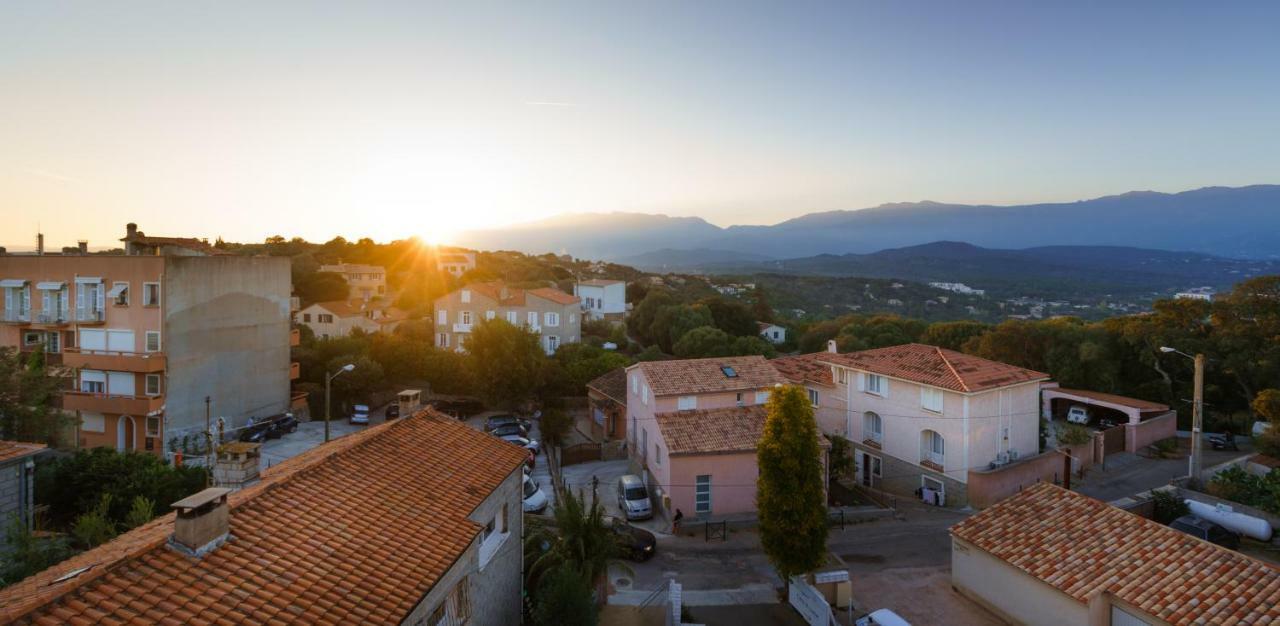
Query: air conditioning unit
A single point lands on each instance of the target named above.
(1002, 458)
(1013, 455)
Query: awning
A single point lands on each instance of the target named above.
(117, 289)
(12, 282)
(51, 285)
(88, 279)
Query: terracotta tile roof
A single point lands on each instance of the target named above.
(516, 296)
(805, 368)
(189, 243)
(10, 450)
(357, 308)
(692, 376)
(353, 268)
(554, 295)
(1083, 547)
(715, 431)
(937, 367)
(763, 326)
(612, 385)
(354, 531)
(1141, 405)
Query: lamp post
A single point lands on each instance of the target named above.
(328, 380)
(1197, 414)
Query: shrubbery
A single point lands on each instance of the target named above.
(1237, 485)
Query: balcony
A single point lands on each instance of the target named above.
(11, 316)
(90, 316)
(462, 328)
(106, 403)
(295, 371)
(51, 318)
(142, 362)
(295, 337)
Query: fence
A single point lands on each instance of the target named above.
(581, 453)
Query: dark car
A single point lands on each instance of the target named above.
(277, 427)
(498, 421)
(392, 412)
(637, 544)
(510, 430)
(460, 409)
(256, 433)
(1207, 530)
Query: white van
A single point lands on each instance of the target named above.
(1078, 414)
(882, 617)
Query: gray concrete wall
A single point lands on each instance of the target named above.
(17, 496)
(494, 590)
(226, 335)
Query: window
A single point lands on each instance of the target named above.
(932, 448)
(875, 466)
(657, 454)
(32, 338)
(635, 384)
(513, 318)
(306, 318)
(931, 399)
(573, 319)
(551, 319)
(762, 397)
(813, 397)
(456, 607)
(150, 294)
(153, 341)
(324, 318)
(739, 398)
(875, 384)
(92, 422)
(872, 428)
(533, 319)
(442, 340)
(493, 535)
(466, 296)
(119, 293)
(553, 344)
(702, 494)
(442, 317)
(153, 384)
(488, 315)
(465, 318)
(728, 371)
(644, 443)
(687, 403)
(644, 396)
(462, 341)
(842, 375)
(153, 426)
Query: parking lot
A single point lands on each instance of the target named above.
(311, 434)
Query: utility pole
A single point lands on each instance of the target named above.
(208, 439)
(1197, 420)
(328, 380)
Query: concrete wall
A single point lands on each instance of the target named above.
(1145, 433)
(226, 335)
(987, 487)
(17, 492)
(831, 413)
(494, 590)
(733, 483)
(1009, 592)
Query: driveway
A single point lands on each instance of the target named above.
(1126, 474)
(311, 434)
(921, 595)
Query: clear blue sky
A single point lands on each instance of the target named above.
(247, 119)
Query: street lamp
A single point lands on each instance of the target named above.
(1197, 415)
(328, 378)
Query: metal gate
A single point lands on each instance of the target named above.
(1113, 440)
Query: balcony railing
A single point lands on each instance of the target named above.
(90, 315)
(15, 316)
(462, 328)
(53, 317)
(114, 360)
(95, 402)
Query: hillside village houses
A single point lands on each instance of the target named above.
(351, 532)
(602, 299)
(455, 261)
(553, 314)
(365, 282)
(772, 333)
(339, 318)
(150, 334)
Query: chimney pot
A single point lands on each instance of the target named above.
(131, 229)
(40, 244)
(831, 346)
(84, 246)
(203, 522)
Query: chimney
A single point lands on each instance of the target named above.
(130, 229)
(203, 522)
(831, 346)
(39, 244)
(83, 244)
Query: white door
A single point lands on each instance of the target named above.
(120, 341)
(91, 340)
(120, 383)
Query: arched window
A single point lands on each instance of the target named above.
(872, 427)
(932, 447)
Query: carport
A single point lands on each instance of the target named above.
(1144, 422)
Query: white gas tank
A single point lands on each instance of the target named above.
(1222, 515)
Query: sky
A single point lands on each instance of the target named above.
(393, 119)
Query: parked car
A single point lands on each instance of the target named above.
(392, 412)
(460, 409)
(1078, 414)
(633, 498)
(637, 544)
(1206, 530)
(532, 460)
(498, 421)
(1225, 441)
(256, 433)
(535, 501)
(282, 425)
(510, 429)
(360, 414)
(531, 445)
(881, 617)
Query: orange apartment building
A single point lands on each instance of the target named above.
(147, 336)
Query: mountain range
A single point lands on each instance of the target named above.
(1234, 222)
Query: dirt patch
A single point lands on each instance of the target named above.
(921, 595)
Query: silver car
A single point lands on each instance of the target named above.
(633, 498)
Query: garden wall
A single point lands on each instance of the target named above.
(989, 486)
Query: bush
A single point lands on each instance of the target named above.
(1073, 434)
(24, 553)
(1166, 448)
(564, 598)
(1169, 506)
(95, 527)
(1237, 485)
(75, 485)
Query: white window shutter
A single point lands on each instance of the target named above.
(862, 381)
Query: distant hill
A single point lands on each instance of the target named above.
(1054, 271)
(1222, 221)
(668, 259)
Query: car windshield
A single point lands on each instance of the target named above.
(530, 488)
(635, 493)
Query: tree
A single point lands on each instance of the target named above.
(564, 598)
(731, 316)
(507, 362)
(642, 316)
(878, 331)
(760, 307)
(321, 287)
(578, 541)
(1267, 406)
(95, 527)
(28, 392)
(554, 426)
(705, 341)
(357, 385)
(953, 335)
(141, 512)
(842, 466)
(75, 485)
(581, 363)
(789, 490)
(672, 322)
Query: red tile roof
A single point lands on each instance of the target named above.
(715, 431)
(10, 450)
(1135, 403)
(354, 531)
(937, 367)
(1083, 547)
(693, 376)
(612, 385)
(554, 295)
(805, 368)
